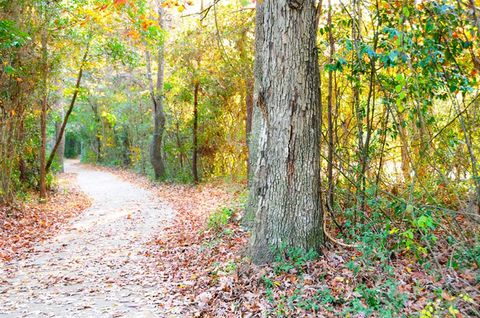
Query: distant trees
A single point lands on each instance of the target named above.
(203, 93)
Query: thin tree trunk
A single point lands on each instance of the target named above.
(158, 109)
(287, 174)
(98, 123)
(195, 133)
(370, 111)
(330, 195)
(357, 107)
(22, 168)
(179, 143)
(61, 147)
(43, 118)
(404, 149)
(468, 142)
(70, 109)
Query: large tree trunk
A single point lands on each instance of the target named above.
(286, 184)
(158, 110)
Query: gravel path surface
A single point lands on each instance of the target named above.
(95, 267)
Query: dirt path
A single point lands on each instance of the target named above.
(95, 267)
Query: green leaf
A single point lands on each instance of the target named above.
(9, 70)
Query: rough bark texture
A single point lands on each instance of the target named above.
(249, 118)
(286, 185)
(255, 125)
(158, 110)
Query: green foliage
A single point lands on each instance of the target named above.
(289, 258)
(384, 299)
(11, 36)
(219, 219)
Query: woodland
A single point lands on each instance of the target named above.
(321, 157)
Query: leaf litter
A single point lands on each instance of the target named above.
(196, 271)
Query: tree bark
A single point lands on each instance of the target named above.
(43, 116)
(249, 118)
(331, 41)
(61, 148)
(286, 184)
(255, 125)
(195, 133)
(158, 109)
(359, 191)
(179, 143)
(98, 124)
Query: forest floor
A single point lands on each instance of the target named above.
(163, 250)
(203, 270)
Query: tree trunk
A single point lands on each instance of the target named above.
(249, 118)
(43, 117)
(331, 41)
(61, 148)
(195, 133)
(359, 191)
(404, 149)
(255, 125)
(286, 184)
(179, 143)
(22, 168)
(70, 107)
(158, 110)
(98, 124)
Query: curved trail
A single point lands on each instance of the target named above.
(95, 267)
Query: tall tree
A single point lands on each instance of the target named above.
(195, 133)
(44, 108)
(158, 109)
(286, 184)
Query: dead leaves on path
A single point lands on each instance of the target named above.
(22, 226)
